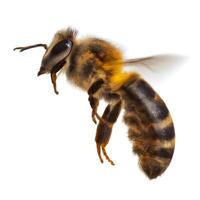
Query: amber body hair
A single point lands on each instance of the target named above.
(150, 125)
(96, 66)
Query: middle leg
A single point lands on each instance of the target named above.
(94, 102)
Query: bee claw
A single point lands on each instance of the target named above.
(99, 153)
(106, 155)
(93, 119)
(56, 92)
(99, 148)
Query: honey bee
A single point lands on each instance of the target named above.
(96, 66)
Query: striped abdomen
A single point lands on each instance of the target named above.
(150, 127)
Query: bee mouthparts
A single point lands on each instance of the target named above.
(42, 71)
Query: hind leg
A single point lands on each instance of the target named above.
(104, 129)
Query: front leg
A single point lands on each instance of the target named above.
(94, 102)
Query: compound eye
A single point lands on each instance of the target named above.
(60, 47)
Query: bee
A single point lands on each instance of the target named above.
(96, 66)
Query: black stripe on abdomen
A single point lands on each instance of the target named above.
(163, 152)
(141, 98)
(154, 152)
(166, 133)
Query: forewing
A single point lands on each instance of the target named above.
(158, 65)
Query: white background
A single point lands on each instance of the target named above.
(47, 148)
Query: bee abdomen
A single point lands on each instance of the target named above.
(150, 127)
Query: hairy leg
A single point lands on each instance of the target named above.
(104, 129)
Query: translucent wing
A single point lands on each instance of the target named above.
(158, 65)
(165, 60)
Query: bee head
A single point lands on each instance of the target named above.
(58, 51)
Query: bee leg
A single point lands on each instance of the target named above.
(94, 102)
(104, 129)
(29, 47)
(99, 152)
(53, 80)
